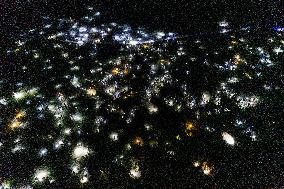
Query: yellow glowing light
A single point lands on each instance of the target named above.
(130, 94)
(126, 71)
(91, 92)
(234, 42)
(207, 170)
(20, 114)
(237, 59)
(178, 137)
(164, 61)
(15, 124)
(248, 75)
(115, 71)
(190, 127)
(138, 141)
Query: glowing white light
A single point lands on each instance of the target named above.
(114, 136)
(224, 31)
(152, 109)
(133, 42)
(223, 24)
(17, 148)
(77, 117)
(80, 151)
(32, 91)
(19, 95)
(3, 101)
(75, 68)
(5, 185)
(82, 29)
(60, 34)
(58, 144)
(47, 26)
(233, 80)
(41, 175)
(278, 50)
(36, 55)
(20, 43)
(160, 35)
(67, 131)
(43, 152)
(253, 137)
(134, 173)
(75, 82)
(245, 102)
(75, 169)
(65, 55)
(148, 126)
(228, 138)
(110, 90)
(52, 108)
(205, 98)
(84, 179)
(84, 176)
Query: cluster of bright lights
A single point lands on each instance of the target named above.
(111, 79)
(205, 167)
(19, 95)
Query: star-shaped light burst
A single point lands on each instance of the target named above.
(278, 50)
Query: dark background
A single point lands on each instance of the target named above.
(184, 16)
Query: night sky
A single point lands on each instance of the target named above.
(141, 94)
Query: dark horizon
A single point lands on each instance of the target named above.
(182, 17)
